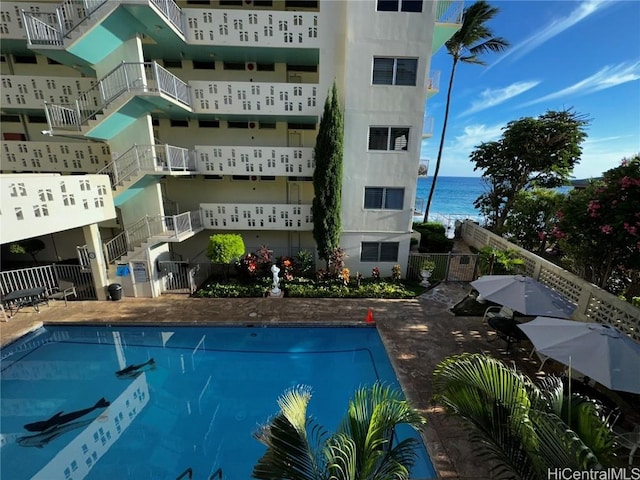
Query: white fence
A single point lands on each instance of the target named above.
(48, 276)
(594, 303)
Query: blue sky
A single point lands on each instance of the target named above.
(583, 55)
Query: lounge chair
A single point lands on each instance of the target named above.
(64, 290)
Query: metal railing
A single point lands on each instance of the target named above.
(39, 31)
(449, 11)
(141, 159)
(172, 11)
(48, 276)
(137, 77)
(165, 227)
(434, 80)
(116, 247)
(427, 126)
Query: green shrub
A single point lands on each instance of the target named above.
(231, 290)
(380, 289)
(435, 228)
(223, 248)
(433, 238)
(493, 261)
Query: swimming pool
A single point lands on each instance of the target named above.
(196, 406)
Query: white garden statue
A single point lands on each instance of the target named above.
(275, 291)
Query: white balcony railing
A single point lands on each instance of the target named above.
(144, 159)
(30, 91)
(434, 81)
(449, 11)
(256, 28)
(427, 126)
(262, 216)
(138, 78)
(169, 228)
(63, 157)
(242, 98)
(238, 160)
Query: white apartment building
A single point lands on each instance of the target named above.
(200, 117)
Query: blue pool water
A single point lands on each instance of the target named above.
(209, 390)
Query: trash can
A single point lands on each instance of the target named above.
(115, 291)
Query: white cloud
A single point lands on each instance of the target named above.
(584, 10)
(607, 77)
(455, 157)
(492, 97)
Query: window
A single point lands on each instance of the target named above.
(208, 123)
(265, 67)
(199, 65)
(179, 123)
(233, 66)
(379, 251)
(267, 125)
(301, 126)
(237, 124)
(388, 138)
(25, 59)
(394, 71)
(402, 5)
(173, 63)
(383, 198)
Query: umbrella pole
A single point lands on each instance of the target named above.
(569, 406)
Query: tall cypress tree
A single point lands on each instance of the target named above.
(327, 178)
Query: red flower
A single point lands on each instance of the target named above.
(606, 229)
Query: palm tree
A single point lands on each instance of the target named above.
(524, 427)
(467, 45)
(362, 448)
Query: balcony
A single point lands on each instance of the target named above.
(89, 30)
(253, 98)
(449, 15)
(146, 160)
(29, 92)
(131, 89)
(63, 157)
(252, 28)
(230, 216)
(237, 160)
(427, 126)
(433, 85)
(34, 205)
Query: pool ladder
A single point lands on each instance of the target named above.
(188, 475)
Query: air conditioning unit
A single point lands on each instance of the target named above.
(252, 125)
(250, 66)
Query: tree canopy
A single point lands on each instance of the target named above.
(599, 226)
(532, 152)
(327, 178)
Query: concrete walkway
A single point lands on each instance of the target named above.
(418, 334)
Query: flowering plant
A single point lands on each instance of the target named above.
(288, 265)
(375, 273)
(396, 273)
(345, 275)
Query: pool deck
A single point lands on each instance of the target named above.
(417, 333)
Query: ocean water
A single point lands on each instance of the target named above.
(453, 197)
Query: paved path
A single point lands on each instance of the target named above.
(417, 334)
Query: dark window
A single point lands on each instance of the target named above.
(263, 3)
(388, 5)
(233, 3)
(301, 126)
(237, 124)
(3, 58)
(198, 65)
(233, 66)
(155, 122)
(213, 177)
(300, 179)
(402, 5)
(301, 4)
(9, 118)
(267, 125)
(208, 123)
(179, 123)
(240, 177)
(172, 63)
(197, 2)
(394, 71)
(388, 138)
(379, 251)
(37, 118)
(302, 68)
(268, 178)
(266, 67)
(25, 59)
(383, 198)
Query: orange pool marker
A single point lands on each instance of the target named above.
(369, 318)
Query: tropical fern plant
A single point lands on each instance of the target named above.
(526, 428)
(362, 448)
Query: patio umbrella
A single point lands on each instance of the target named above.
(524, 295)
(599, 351)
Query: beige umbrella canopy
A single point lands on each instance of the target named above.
(524, 295)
